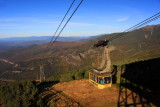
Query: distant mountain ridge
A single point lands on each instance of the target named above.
(21, 42)
(48, 38)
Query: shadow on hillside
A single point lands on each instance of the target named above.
(139, 84)
(114, 74)
(42, 86)
(46, 91)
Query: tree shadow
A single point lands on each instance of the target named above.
(42, 86)
(114, 74)
(139, 84)
(46, 91)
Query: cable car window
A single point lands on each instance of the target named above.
(101, 80)
(107, 80)
(90, 76)
(94, 78)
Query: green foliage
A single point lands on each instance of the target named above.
(52, 101)
(55, 77)
(66, 77)
(86, 74)
(20, 94)
(69, 76)
(78, 75)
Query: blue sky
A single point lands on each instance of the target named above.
(20, 18)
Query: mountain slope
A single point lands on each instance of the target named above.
(141, 44)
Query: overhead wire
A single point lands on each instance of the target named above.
(66, 22)
(62, 27)
(49, 45)
(150, 19)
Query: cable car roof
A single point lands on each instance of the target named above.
(101, 43)
(101, 74)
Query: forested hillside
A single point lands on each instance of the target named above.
(20, 94)
(63, 57)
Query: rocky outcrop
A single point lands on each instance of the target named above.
(6, 61)
(76, 59)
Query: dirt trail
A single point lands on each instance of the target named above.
(88, 95)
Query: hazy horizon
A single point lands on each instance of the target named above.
(48, 36)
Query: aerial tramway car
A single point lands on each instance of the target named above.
(102, 78)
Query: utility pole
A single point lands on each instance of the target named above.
(42, 76)
(41, 70)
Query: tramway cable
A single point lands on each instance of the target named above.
(49, 45)
(65, 25)
(150, 19)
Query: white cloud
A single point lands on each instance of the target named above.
(122, 19)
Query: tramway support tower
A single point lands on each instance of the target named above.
(41, 65)
(100, 77)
